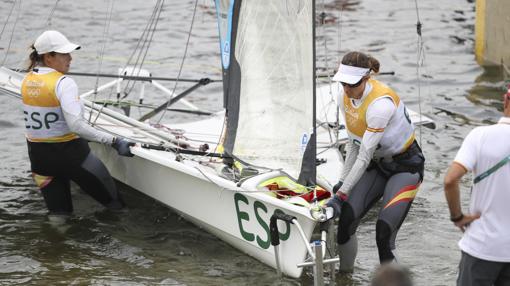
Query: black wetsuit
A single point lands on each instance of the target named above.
(64, 162)
(396, 183)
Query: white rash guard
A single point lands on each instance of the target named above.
(73, 110)
(378, 115)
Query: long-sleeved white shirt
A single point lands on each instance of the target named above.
(73, 110)
(378, 115)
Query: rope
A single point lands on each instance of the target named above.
(419, 61)
(37, 31)
(12, 33)
(100, 55)
(339, 46)
(7, 20)
(183, 59)
(240, 190)
(141, 37)
(146, 40)
(140, 51)
(323, 31)
(334, 136)
(149, 41)
(48, 21)
(221, 138)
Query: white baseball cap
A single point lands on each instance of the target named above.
(53, 41)
(350, 74)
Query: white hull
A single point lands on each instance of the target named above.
(238, 215)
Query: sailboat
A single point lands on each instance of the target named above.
(256, 174)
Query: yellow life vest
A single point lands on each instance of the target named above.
(44, 119)
(399, 133)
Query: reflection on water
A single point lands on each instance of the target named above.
(148, 244)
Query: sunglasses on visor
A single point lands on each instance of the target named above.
(354, 84)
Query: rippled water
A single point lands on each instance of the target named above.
(148, 244)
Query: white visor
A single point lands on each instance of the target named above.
(350, 74)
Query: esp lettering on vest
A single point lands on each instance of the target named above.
(38, 119)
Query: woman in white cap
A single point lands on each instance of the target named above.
(57, 131)
(383, 160)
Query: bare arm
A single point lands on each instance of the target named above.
(452, 194)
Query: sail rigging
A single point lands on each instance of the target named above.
(269, 84)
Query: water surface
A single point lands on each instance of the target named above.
(148, 244)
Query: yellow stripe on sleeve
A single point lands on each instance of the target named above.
(375, 130)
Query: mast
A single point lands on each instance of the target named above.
(228, 16)
(308, 175)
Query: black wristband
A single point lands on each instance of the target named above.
(458, 218)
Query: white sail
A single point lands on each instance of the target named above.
(274, 52)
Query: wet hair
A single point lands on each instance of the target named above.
(34, 59)
(361, 60)
(391, 274)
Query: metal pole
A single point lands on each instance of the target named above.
(332, 239)
(139, 78)
(174, 99)
(318, 271)
(172, 94)
(101, 88)
(277, 260)
(132, 122)
(324, 262)
(305, 240)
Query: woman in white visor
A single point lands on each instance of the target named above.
(383, 160)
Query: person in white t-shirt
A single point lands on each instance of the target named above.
(57, 133)
(485, 245)
(383, 160)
